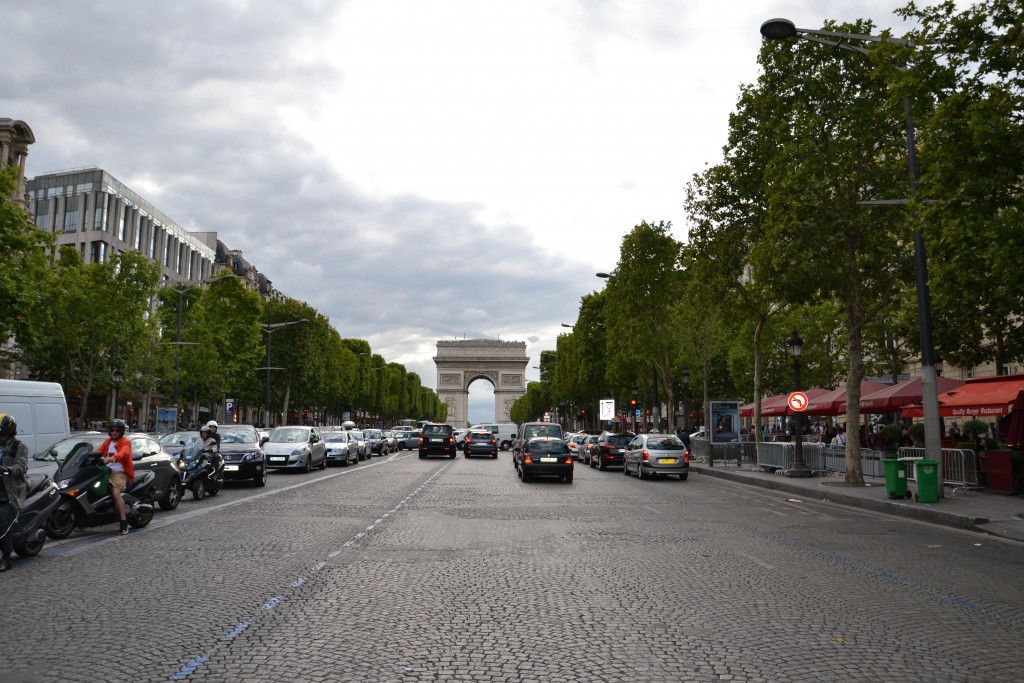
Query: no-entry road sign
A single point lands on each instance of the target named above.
(798, 401)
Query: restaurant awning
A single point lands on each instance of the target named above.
(892, 398)
(777, 405)
(834, 402)
(978, 397)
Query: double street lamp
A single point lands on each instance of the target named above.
(781, 29)
(270, 329)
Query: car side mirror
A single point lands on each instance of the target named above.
(264, 440)
(52, 454)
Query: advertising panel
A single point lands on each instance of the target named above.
(725, 421)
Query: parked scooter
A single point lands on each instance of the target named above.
(41, 500)
(199, 473)
(79, 479)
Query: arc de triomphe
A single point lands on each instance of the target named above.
(460, 363)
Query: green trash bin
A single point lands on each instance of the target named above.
(928, 481)
(895, 478)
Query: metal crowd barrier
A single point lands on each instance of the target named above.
(820, 458)
(737, 452)
(959, 467)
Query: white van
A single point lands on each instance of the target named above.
(39, 409)
(505, 433)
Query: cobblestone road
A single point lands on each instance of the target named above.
(453, 570)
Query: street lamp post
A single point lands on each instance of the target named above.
(781, 29)
(118, 376)
(633, 408)
(270, 329)
(686, 397)
(799, 468)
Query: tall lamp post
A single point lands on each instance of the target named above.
(781, 29)
(270, 329)
(633, 408)
(686, 397)
(799, 468)
(118, 377)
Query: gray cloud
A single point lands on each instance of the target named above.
(172, 99)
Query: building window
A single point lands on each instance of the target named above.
(152, 241)
(70, 217)
(120, 225)
(99, 252)
(99, 221)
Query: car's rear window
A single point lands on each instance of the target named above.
(551, 430)
(665, 443)
(438, 429)
(554, 447)
(618, 440)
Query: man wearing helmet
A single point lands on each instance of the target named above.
(13, 466)
(117, 455)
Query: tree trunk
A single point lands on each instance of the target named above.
(287, 398)
(758, 330)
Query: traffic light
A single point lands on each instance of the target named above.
(583, 411)
(632, 402)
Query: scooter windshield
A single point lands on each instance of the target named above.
(75, 460)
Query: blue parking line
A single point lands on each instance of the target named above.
(186, 671)
(273, 602)
(960, 602)
(236, 631)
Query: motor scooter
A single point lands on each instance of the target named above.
(199, 473)
(40, 501)
(82, 504)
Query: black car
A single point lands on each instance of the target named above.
(437, 439)
(609, 450)
(544, 456)
(375, 441)
(147, 454)
(481, 442)
(243, 456)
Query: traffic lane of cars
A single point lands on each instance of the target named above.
(239, 552)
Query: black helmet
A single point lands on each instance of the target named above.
(7, 426)
(118, 424)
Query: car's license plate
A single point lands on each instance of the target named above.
(277, 459)
(549, 459)
(668, 461)
(436, 441)
(230, 468)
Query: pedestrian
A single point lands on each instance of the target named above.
(954, 432)
(116, 452)
(840, 438)
(13, 466)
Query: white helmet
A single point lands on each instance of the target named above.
(211, 423)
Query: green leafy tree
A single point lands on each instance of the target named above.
(25, 281)
(94, 321)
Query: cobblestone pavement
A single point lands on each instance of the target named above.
(402, 569)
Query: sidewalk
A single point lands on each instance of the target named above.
(975, 510)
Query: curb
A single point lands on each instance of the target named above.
(895, 508)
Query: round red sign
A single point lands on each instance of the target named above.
(798, 401)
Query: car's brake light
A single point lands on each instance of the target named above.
(451, 439)
(686, 458)
(422, 439)
(568, 461)
(527, 458)
(647, 456)
(494, 441)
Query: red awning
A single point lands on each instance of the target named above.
(894, 397)
(978, 397)
(834, 402)
(777, 405)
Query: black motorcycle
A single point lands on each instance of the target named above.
(41, 500)
(200, 472)
(85, 503)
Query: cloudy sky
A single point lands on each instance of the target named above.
(414, 170)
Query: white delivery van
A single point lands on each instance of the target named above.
(505, 433)
(39, 409)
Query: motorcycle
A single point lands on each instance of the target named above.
(85, 503)
(41, 500)
(200, 474)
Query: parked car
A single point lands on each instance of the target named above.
(657, 455)
(391, 439)
(609, 450)
(147, 454)
(296, 447)
(409, 440)
(362, 448)
(240, 446)
(339, 448)
(175, 442)
(481, 442)
(437, 439)
(586, 448)
(544, 456)
(374, 442)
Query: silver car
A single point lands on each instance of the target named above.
(296, 447)
(340, 448)
(656, 455)
(410, 440)
(363, 446)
